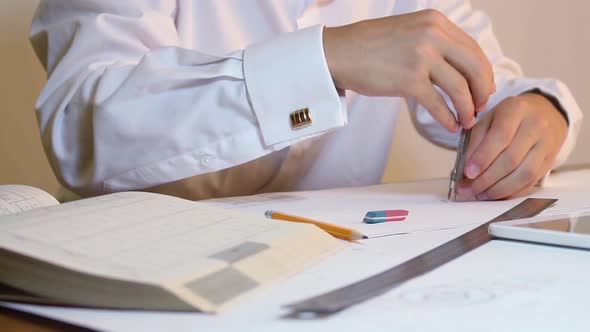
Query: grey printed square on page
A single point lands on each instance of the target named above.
(240, 252)
(222, 286)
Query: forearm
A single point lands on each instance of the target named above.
(133, 109)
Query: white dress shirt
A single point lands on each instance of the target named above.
(142, 93)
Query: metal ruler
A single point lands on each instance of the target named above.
(365, 289)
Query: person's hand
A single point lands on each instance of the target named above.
(512, 148)
(405, 56)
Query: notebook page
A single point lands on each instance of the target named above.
(19, 198)
(141, 236)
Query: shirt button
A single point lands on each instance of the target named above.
(206, 160)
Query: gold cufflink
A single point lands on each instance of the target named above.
(300, 118)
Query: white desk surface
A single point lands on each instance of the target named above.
(502, 286)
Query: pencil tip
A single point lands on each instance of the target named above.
(365, 237)
(268, 213)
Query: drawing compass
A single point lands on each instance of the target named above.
(457, 174)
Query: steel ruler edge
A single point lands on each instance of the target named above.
(344, 297)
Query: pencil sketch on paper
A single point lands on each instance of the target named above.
(252, 201)
(470, 292)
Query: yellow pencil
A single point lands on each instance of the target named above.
(341, 232)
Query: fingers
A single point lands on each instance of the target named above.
(406, 56)
(498, 137)
(464, 54)
(478, 134)
(511, 160)
(464, 189)
(476, 71)
(512, 149)
(428, 97)
(470, 74)
(532, 168)
(457, 88)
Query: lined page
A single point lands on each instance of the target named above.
(138, 236)
(19, 198)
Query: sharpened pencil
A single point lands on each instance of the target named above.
(338, 231)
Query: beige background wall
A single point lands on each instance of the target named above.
(547, 37)
(21, 77)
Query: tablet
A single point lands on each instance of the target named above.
(571, 230)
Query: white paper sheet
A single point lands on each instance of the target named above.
(425, 200)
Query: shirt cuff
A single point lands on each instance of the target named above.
(287, 74)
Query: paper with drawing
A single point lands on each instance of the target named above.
(18, 198)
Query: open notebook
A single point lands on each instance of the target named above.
(139, 250)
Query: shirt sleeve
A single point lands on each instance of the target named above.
(126, 106)
(508, 76)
